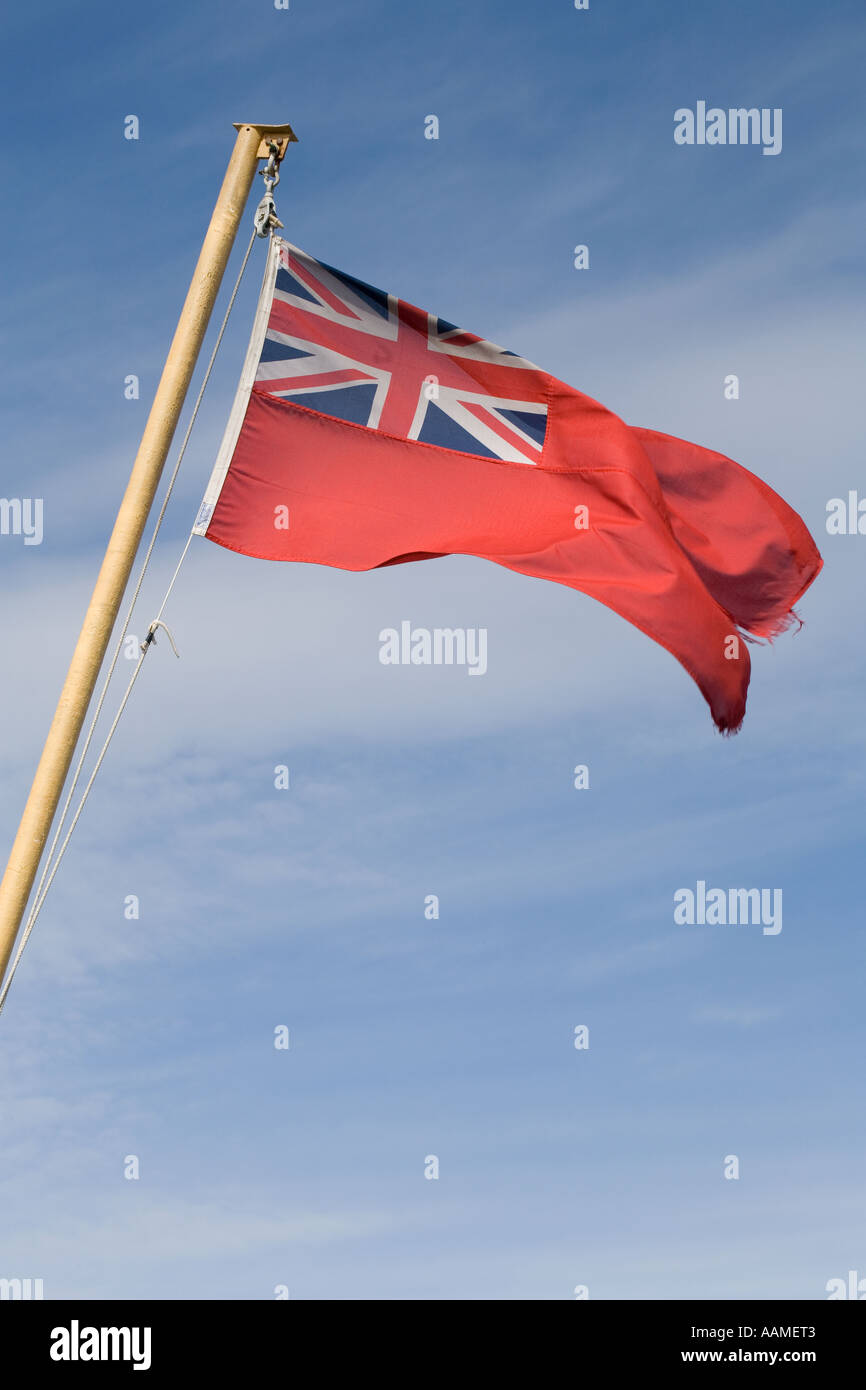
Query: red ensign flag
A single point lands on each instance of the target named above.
(367, 432)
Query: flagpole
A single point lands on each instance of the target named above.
(252, 143)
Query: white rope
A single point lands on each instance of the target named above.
(52, 863)
(158, 619)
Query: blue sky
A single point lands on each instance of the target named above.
(305, 908)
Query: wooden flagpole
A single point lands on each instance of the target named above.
(251, 145)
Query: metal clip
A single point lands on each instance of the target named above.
(265, 220)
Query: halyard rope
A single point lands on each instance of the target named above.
(52, 863)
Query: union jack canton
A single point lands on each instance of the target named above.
(341, 347)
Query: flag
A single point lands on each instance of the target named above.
(367, 432)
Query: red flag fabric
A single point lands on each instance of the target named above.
(367, 432)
